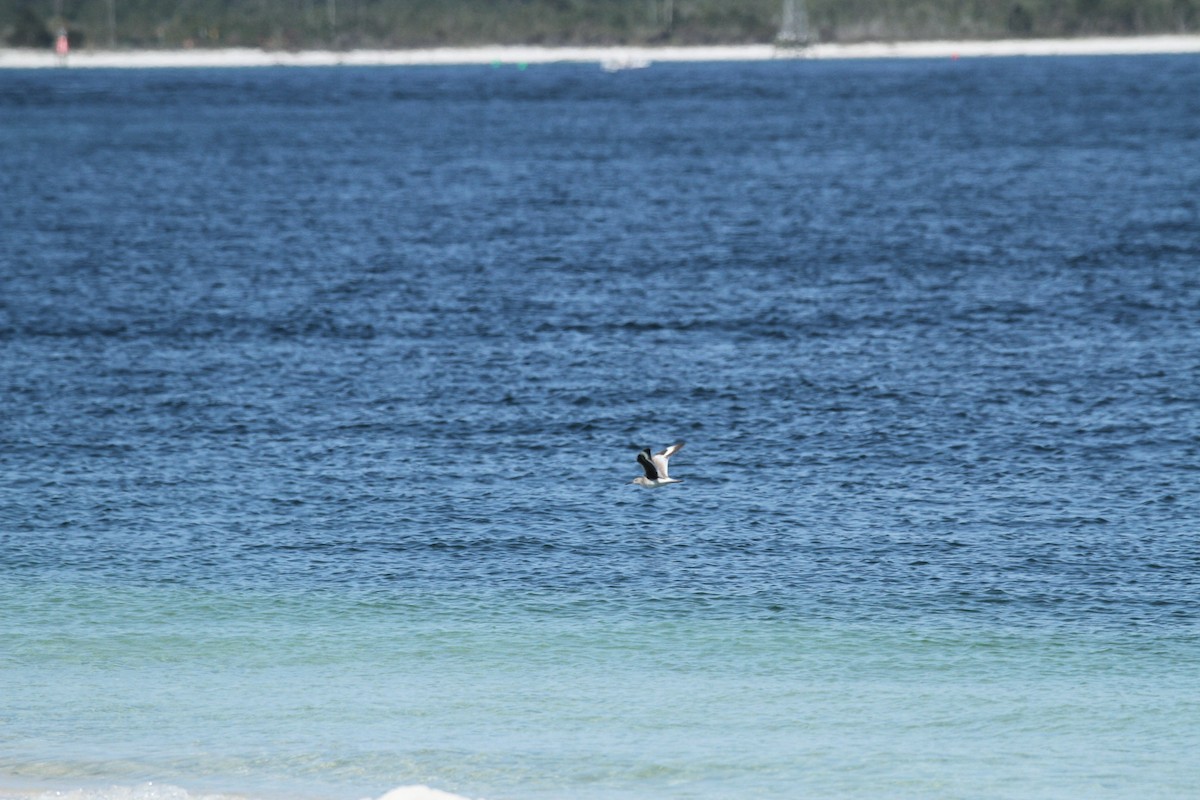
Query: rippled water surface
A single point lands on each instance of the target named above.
(320, 392)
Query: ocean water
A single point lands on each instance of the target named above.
(321, 390)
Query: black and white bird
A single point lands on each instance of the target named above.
(656, 468)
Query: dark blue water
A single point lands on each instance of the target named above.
(929, 329)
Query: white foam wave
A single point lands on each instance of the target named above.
(156, 791)
(420, 793)
(145, 791)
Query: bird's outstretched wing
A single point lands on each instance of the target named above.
(660, 459)
(648, 465)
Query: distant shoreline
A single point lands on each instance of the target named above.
(612, 57)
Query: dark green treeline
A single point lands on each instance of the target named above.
(423, 23)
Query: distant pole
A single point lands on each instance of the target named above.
(112, 24)
(793, 29)
(331, 12)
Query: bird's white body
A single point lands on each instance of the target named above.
(654, 484)
(655, 467)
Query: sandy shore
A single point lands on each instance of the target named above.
(611, 56)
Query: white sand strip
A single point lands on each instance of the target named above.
(1097, 46)
(247, 57)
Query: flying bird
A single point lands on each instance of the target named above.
(656, 468)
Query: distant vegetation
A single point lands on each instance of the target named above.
(344, 24)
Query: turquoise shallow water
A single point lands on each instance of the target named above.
(320, 394)
(329, 696)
